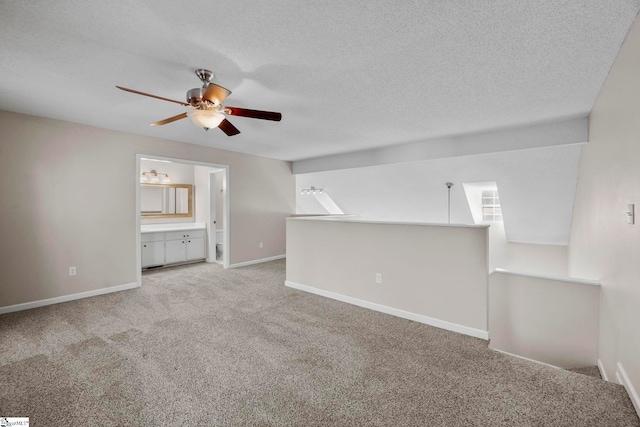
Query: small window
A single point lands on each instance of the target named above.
(491, 211)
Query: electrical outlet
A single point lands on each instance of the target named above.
(72, 271)
(378, 277)
(261, 245)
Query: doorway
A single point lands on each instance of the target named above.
(211, 201)
(217, 188)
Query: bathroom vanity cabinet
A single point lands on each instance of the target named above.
(152, 249)
(172, 246)
(181, 246)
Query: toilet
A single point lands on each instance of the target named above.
(219, 243)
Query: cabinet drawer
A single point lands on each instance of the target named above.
(151, 237)
(185, 234)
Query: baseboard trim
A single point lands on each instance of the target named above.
(525, 358)
(603, 373)
(623, 378)
(67, 298)
(257, 261)
(442, 324)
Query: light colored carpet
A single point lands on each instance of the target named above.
(591, 371)
(203, 346)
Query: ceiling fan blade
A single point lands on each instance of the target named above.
(215, 94)
(169, 120)
(254, 114)
(152, 96)
(226, 127)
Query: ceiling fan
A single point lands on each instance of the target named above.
(208, 111)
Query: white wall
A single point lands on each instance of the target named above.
(522, 257)
(219, 190)
(551, 260)
(536, 188)
(536, 191)
(57, 211)
(547, 320)
(203, 194)
(603, 246)
(179, 173)
(433, 272)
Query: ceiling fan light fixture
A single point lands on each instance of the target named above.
(208, 111)
(206, 119)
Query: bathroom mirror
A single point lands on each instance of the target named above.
(166, 200)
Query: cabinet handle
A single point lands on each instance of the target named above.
(144, 246)
(189, 241)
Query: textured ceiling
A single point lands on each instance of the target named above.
(346, 76)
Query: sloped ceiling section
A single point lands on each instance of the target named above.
(536, 187)
(347, 76)
(535, 168)
(570, 131)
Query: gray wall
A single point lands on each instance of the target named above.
(437, 273)
(68, 199)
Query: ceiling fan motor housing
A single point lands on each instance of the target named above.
(194, 96)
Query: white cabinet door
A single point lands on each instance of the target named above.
(152, 253)
(172, 247)
(175, 251)
(195, 248)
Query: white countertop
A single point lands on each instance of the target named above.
(178, 226)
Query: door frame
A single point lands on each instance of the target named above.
(211, 233)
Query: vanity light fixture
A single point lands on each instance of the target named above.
(152, 177)
(312, 190)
